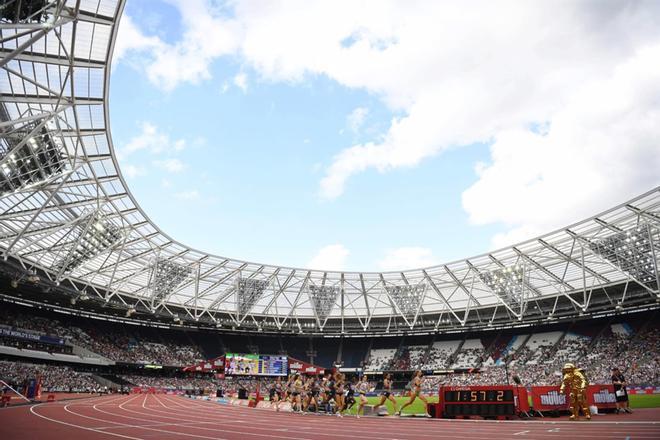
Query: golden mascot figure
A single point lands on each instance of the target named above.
(575, 382)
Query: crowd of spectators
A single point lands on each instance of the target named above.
(401, 362)
(28, 344)
(635, 351)
(53, 378)
(636, 355)
(467, 358)
(487, 376)
(380, 359)
(116, 347)
(417, 355)
(439, 356)
(171, 383)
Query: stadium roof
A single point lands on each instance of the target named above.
(66, 209)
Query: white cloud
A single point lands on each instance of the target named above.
(356, 118)
(171, 165)
(132, 171)
(412, 257)
(188, 195)
(240, 81)
(206, 36)
(331, 257)
(151, 139)
(599, 149)
(130, 38)
(179, 145)
(456, 77)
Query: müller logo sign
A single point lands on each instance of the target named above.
(553, 398)
(604, 396)
(296, 366)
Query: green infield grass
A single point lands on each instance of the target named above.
(644, 400)
(417, 407)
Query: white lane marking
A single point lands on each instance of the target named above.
(200, 407)
(136, 426)
(79, 426)
(222, 430)
(521, 432)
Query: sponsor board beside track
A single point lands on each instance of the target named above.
(553, 398)
(548, 398)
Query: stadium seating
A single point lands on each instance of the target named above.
(440, 353)
(470, 354)
(536, 355)
(53, 378)
(380, 359)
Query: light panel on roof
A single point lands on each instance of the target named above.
(633, 251)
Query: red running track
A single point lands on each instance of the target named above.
(149, 416)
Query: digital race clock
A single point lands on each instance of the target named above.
(483, 401)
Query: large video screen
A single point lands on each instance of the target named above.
(256, 365)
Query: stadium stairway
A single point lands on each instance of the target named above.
(85, 353)
(452, 357)
(366, 355)
(109, 380)
(426, 356)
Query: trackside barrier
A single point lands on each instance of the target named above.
(156, 390)
(643, 390)
(548, 398)
(5, 384)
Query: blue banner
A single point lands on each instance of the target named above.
(20, 334)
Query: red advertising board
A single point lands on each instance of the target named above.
(602, 396)
(548, 398)
(297, 366)
(215, 364)
(522, 400)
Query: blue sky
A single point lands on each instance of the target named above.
(282, 159)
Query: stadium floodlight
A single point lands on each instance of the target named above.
(21, 11)
(323, 300)
(166, 275)
(408, 300)
(634, 251)
(29, 156)
(248, 292)
(509, 285)
(93, 234)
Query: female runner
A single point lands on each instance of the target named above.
(288, 392)
(362, 388)
(315, 391)
(297, 391)
(386, 394)
(339, 395)
(349, 400)
(306, 393)
(416, 391)
(277, 393)
(330, 393)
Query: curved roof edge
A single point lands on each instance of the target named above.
(53, 209)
